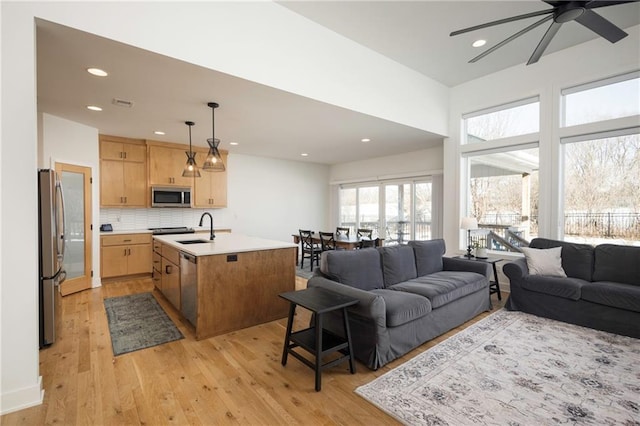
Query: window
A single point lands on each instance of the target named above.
(601, 181)
(396, 211)
(503, 197)
(517, 118)
(601, 100)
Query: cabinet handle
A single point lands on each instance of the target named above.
(126, 241)
(121, 154)
(168, 269)
(125, 252)
(125, 154)
(125, 200)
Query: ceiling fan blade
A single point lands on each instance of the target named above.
(601, 26)
(544, 42)
(598, 3)
(553, 3)
(502, 21)
(513, 37)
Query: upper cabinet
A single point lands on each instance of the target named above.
(210, 189)
(123, 171)
(130, 167)
(166, 164)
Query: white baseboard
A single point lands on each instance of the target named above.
(22, 398)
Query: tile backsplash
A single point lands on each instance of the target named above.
(134, 219)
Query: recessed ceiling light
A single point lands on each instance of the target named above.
(94, 108)
(233, 143)
(97, 71)
(479, 43)
(158, 132)
(304, 154)
(365, 140)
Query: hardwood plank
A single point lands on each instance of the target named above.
(233, 378)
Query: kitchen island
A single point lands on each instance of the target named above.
(233, 284)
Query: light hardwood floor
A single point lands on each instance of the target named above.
(235, 378)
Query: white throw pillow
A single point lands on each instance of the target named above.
(544, 261)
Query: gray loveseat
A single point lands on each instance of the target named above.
(407, 294)
(601, 290)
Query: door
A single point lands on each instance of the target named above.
(76, 186)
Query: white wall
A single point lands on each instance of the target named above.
(20, 382)
(418, 163)
(65, 141)
(587, 62)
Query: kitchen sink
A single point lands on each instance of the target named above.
(194, 242)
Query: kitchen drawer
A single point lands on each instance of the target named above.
(125, 239)
(157, 247)
(157, 261)
(171, 254)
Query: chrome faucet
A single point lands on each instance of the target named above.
(212, 235)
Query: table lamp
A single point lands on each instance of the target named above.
(469, 223)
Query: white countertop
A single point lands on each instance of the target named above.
(224, 243)
(196, 229)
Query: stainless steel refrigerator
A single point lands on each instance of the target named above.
(51, 244)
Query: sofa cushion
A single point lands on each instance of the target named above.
(357, 268)
(617, 295)
(444, 287)
(428, 255)
(616, 263)
(403, 307)
(567, 288)
(577, 259)
(398, 264)
(544, 261)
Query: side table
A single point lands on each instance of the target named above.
(316, 340)
(494, 286)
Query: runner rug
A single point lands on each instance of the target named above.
(513, 368)
(137, 321)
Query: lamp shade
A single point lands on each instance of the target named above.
(469, 223)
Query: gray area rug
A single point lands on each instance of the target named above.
(513, 368)
(137, 321)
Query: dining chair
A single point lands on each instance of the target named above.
(342, 232)
(365, 233)
(310, 250)
(327, 241)
(365, 243)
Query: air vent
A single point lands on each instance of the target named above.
(122, 102)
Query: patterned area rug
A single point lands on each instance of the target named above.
(137, 321)
(513, 368)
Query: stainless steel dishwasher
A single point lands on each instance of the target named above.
(189, 287)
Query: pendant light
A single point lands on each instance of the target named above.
(213, 162)
(191, 168)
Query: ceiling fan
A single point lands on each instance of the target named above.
(562, 12)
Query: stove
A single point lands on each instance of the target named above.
(172, 230)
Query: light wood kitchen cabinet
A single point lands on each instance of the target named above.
(125, 254)
(166, 272)
(166, 165)
(171, 282)
(210, 189)
(123, 179)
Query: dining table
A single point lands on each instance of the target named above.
(344, 242)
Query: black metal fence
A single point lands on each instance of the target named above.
(504, 231)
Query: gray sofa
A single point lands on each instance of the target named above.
(601, 290)
(407, 294)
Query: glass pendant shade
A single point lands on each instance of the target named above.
(191, 168)
(213, 162)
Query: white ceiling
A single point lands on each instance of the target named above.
(273, 123)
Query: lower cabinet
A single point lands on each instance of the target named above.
(166, 272)
(125, 254)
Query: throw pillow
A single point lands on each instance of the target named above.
(544, 261)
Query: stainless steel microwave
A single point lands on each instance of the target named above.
(170, 197)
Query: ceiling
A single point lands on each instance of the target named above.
(268, 122)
